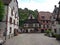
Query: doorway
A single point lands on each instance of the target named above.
(15, 32)
(42, 30)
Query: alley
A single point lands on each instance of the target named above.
(32, 39)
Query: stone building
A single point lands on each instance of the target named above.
(45, 19)
(56, 20)
(10, 22)
(31, 24)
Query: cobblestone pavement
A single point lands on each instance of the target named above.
(32, 39)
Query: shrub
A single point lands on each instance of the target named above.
(53, 35)
(1, 10)
(48, 32)
(58, 36)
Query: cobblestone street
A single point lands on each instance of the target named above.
(32, 39)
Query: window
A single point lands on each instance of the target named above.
(15, 14)
(10, 20)
(35, 25)
(17, 18)
(40, 25)
(43, 21)
(43, 26)
(30, 25)
(43, 17)
(17, 23)
(10, 29)
(52, 22)
(47, 26)
(50, 17)
(31, 17)
(0, 31)
(12, 11)
(55, 30)
(24, 25)
(47, 21)
(54, 17)
(14, 21)
(58, 22)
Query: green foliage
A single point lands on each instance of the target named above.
(24, 13)
(21, 23)
(57, 36)
(1, 10)
(48, 32)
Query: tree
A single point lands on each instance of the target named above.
(1, 10)
(36, 13)
(24, 13)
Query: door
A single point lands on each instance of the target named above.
(15, 32)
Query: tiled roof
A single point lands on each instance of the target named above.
(6, 2)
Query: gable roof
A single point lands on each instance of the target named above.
(6, 2)
(31, 16)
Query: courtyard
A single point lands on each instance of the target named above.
(32, 39)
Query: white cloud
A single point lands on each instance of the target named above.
(48, 5)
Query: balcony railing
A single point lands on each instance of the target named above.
(32, 27)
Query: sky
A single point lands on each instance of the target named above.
(40, 5)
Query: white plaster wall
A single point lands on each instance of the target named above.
(37, 24)
(13, 17)
(41, 26)
(45, 26)
(33, 25)
(29, 30)
(8, 24)
(58, 28)
(30, 17)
